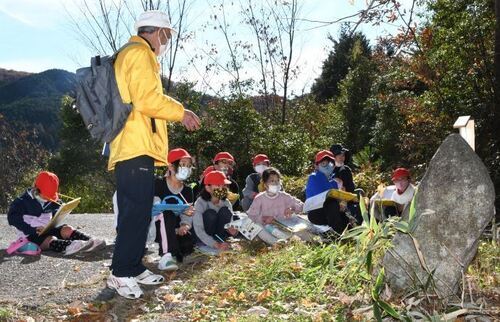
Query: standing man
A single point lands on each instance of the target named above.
(142, 144)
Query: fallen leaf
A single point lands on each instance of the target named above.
(297, 266)
(229, 294)
(74, 310)
(346, 299)
(307, 303)
(170, 298)
(262, 296)
(76, 268)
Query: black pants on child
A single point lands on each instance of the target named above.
(178, 246)
(60, 243)
(329, 215)
(135, 191)
(214, 222)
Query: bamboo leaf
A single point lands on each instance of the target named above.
(369, 257)
(377, 313)
(388, 309)
(402, 226)
(411, 217)
(377, 288)
(364, 212)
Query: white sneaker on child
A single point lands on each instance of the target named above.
(125, 286)
(97, 244)
(207, 250)
(167, 263)
(77, 245)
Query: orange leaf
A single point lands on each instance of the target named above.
(170, 298)
(263, 295)
(74, 310)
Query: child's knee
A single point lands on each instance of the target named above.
(210, 215)
(66, 232)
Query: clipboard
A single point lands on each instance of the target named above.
(384, 202)
(293, 224)
(61, 213)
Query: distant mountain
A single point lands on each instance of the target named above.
(52, 82)
(34, 101)
(9, 75)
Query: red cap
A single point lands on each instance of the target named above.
(400, 173)
(210, 168)
(323, 154)
(177, 154)
(260, 158)
(223, 156)
(216, 178)
(48, 184)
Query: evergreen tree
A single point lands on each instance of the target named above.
(337, 65)
(352, 102)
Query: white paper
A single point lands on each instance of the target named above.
(315, 202)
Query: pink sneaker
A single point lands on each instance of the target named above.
(76, 246)
(97, 244)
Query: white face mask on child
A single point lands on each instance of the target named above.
(260, 168)
(274, 188)
(183, 173)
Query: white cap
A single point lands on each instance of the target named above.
(153, 18)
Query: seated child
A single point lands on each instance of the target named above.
(318, 182)
(178, 239)
(212, 211)
(253, 181)
(404, 189)
(33, 210)
(224, 162)
(272, 203)
(401, 193)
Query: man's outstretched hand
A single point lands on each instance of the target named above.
(190, 120)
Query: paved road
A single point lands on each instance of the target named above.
(34, 281)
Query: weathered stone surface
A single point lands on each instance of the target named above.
(454, 204)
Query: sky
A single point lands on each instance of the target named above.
(38, 35)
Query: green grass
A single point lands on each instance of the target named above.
(296, 281)
(5, 314)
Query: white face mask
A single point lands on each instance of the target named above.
(183, 173)
(163, 48)
(260, 168)
(274, 188)
(401, 185)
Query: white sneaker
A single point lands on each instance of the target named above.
(167, 263)
(77, 245)
(97, 244)
(125, 286)
(207, 250)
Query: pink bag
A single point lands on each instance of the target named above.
(22, 246)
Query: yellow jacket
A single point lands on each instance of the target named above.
(138, 78)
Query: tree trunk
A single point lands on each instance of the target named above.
(496, 83)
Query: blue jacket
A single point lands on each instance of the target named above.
(318, 183)
(27, 207)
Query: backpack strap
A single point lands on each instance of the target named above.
(115, 55)
(113, 58)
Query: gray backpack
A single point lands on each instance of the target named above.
(98, 99)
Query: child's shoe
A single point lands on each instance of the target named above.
(76, 246)
(97, 244)
(125, 286)
(167, 263)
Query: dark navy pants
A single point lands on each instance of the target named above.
(329, 215)
(214, 222)
(135, 191)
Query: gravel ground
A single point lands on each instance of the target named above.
(35, 281)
